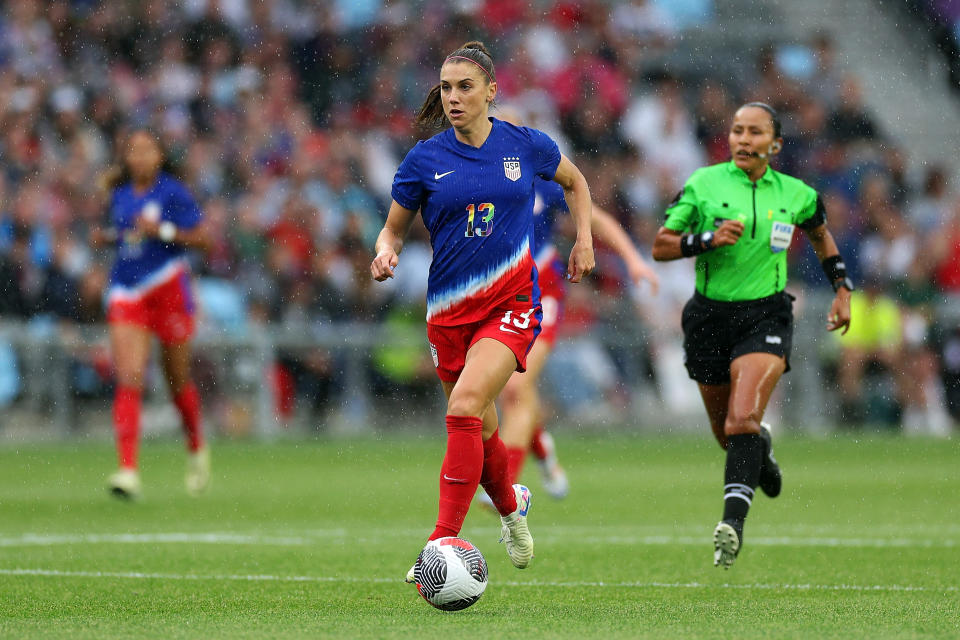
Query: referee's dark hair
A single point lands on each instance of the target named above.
(774, 116)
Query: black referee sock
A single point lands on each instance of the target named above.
(741, 476)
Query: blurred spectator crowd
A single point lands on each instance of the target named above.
(287, 119)
(943, 20)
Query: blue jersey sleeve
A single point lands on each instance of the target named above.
(407, 188)
(183, 209)
(546, 153)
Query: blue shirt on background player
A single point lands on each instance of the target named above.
(142, 262)
(549, 201)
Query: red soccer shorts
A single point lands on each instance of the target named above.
(553, 292)
(166, 310)
(514, 324)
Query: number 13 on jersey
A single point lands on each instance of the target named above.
(485, 219)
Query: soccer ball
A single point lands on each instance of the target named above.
(450, 573)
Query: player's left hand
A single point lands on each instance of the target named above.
(839, 314)
(581, 260)
(640, 271)
(383, 265)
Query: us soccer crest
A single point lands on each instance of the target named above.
(511, 168)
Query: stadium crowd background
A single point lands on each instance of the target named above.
(288, 119)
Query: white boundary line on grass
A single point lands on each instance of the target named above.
(133, 575)
(552, 535)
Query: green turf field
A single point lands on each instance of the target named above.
(312, 539)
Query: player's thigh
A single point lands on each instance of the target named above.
(130, 346)
(487, 367)
(753, 377)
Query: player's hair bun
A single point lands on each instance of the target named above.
(479, 46)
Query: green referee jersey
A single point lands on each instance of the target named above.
(770, 209)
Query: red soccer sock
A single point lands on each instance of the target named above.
(515, 459)
(188, 402)
(126, 424)
(496, 479)
(536, 445)
(460, 473)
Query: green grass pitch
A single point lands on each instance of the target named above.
(312, 539)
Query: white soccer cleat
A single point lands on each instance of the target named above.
(726, 545)
(125, 483)
(552, 475)
(554, 480)
(198, 471)
(411, 578)
(515, 534)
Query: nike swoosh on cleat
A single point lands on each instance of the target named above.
(503, 328)
(437, 176)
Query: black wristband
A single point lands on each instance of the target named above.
(693, 244)
(836, 272)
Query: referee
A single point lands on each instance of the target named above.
(737, 218)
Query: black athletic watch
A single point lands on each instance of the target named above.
(707, 239)
(844, 282)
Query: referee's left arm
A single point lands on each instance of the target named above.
(826, 249)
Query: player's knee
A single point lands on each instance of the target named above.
(130, 379)
(739, 422)
(467, 402)
(516, 391)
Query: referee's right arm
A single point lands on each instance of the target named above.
(672, 245)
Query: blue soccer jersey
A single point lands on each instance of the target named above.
(477, 205)
(550, 201)
(144, 263)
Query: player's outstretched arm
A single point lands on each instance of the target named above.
(826, 248)
(390, 241)
(610, 232)
(577, 193)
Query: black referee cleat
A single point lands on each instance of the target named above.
(771, 480)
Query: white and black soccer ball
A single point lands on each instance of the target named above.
(450, 573)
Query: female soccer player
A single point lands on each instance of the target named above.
(520, 400)
(473, 185)
(154, 221)
(738, 326)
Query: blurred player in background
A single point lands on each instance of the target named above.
(154, 220)
(522, 429)
(474, 187)
(740, 217)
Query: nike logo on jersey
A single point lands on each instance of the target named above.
(503, 328)
(437, 176)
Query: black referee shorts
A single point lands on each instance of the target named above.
(716, 333)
